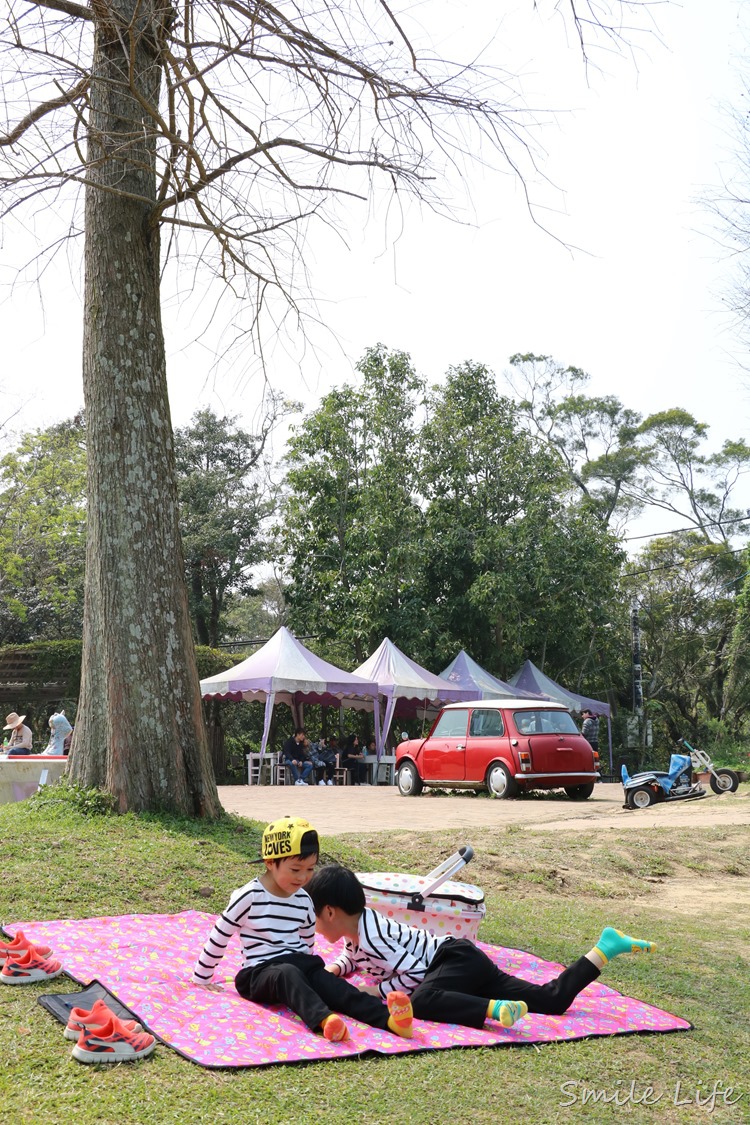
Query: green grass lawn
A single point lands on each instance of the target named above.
(548, 892)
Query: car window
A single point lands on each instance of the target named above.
(486, 724)
(544, 722)
(451, 724)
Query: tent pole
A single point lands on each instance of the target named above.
(297, 710)
(270, 700)
(390, 707)
(378, 728)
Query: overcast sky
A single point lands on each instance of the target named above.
(632, 148)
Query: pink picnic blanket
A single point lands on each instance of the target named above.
(146, 961)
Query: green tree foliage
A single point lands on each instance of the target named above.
(593, 437)
(351, 521)
(42, 534)
(686, 590)
(225, 492)
(620, 463)
(683, 480)
(509, 569)
(737, 686)
(455, 532)
(224, 499)
(258, 617)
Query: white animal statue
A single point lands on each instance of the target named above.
(60, 728)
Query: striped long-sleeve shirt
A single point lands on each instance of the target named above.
(395, 954)
(267, 927)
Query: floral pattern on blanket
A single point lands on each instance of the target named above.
(146, 960)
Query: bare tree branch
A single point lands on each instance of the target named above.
(67, 7)
(40, 111)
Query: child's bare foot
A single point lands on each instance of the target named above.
(401, 1014)
(334, 1028)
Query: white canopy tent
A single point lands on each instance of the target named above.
(406, 686)
(284, 671)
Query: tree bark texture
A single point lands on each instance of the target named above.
(217, 743)
(139, 731)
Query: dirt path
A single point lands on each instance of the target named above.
(344, 809)
(724, 896)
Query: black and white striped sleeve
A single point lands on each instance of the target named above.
(228, 923)
(381, 952)
(345, 962)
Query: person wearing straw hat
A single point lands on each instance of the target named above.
(20, 736)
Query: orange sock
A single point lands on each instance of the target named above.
(334, 1028)
(401, 1014)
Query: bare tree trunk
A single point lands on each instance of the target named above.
(216, 741)
(139, 731)
(201, 629)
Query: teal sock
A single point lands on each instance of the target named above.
(613, 942)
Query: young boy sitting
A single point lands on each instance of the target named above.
(275, 921)
(448, 979)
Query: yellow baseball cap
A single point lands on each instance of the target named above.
(287, 837)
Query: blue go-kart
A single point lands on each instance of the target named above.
(676, 783)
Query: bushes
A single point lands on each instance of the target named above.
(723, 745)
(65, 794)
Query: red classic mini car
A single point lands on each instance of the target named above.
(507, 746)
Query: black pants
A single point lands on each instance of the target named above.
(323, 769)
(357, 769)
(301, 983)
(461, 981)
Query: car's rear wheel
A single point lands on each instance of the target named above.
(500, 783)
(726, 781)
(641, 797)
(579, 792)
(408, 780)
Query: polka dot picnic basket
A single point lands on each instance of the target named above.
(431, 902)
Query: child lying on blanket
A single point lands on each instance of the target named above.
(448, 979)
(275, 920)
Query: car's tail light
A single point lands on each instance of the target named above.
(525, 759)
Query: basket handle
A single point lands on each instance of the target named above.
(438, 875)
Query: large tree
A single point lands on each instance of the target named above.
(351, 525)
(453, 531)
(592, 437)
(225, 495)
(692, 638)
(619, 463)
(227, 123)
(509, 567)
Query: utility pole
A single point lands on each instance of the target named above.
(637, 675)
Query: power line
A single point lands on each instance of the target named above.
(675, 566)
(692, 527)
